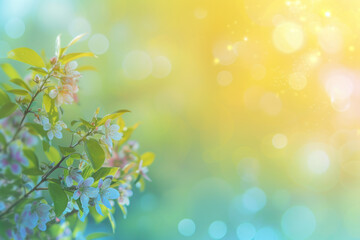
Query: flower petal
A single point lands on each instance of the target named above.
(117, 136)
(98, 209)
(77, 194)
(88, 182)
(50, 134)
(112, 193)
(92, 192)
(69, 181)
(106, 202)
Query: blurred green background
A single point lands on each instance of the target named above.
(251, 107)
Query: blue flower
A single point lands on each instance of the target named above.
(74, 175)
(111, 133)
(42, 212)
(105, 193)
(84, 191)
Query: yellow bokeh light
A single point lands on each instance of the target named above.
(288, 37)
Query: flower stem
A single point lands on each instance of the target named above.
(45, 177)
(27, 110)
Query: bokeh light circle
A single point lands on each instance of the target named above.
(297, 81)
(318, 161)
(161, 67)
(288, 37)
(245, 231)
(186, 227)
(298, 222)
(339, 84)
(79, 26)
(15, 28)
(254, 199)
(137, 65)
(217, 229)
(224, 78)
(266, 233)
(98, 43)
(279, 141)
(330, 39)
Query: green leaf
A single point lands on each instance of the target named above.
(33, 168)
(147, 158)
(127, 134)
(59, 198)
(41, 71)
(18, 92)
(92, 236)
(46, 146)
(36, 129)
(95, 153)
(73, 56)
(53, 155)
(72, 42)
(104, 171)
(21, 83)
(112, 221)
(32, 171)
(4, 98)
(7, 109)
(51, 108)
(112, 116)
(26, 55)
(10, 71)
(2, 139)
(87, 172)
(66, 150)
(31, 156)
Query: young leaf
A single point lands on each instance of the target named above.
(26, 55)
(7, 109)
(41, 71)
(10, 71)
(53, 155)
(95, 153)
(66, 150)
(36, 129)
(19, 92)
(111, 116)
(31, 156)
(59, 198)
(73, 56)
(112, 221)
(103, 172)
(21, 83)
(51, 108)
(147, 158)
(73, 41)
(4, 98)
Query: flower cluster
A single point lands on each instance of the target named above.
(66, 91)
(85, 176)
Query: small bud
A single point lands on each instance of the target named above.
(37, 78)
(53, 60)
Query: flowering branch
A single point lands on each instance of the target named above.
(95, 176)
